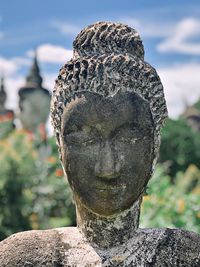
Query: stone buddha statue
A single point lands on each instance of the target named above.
(6, 115)
(107, 110)
(34, 100)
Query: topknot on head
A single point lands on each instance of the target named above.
(106, 38)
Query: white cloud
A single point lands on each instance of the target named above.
(178, 37)
(55, 54)
(66, 28)
(12, 85)
(148, 29)
(180, 40)
(11, 66)
(21, 61)
(182, 86)
(49, 80)
(13, 81)
(8, 66)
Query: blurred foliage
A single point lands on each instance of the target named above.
(180, 146)
(6, 127)
(173, 205)
(197, 105)
(33, 190)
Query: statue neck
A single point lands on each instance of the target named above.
(110, 231)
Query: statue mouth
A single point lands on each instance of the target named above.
(109, 176)
(104, 183)
(107, 187)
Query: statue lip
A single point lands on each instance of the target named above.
(105, 183)
(108, 176)
(111, 187)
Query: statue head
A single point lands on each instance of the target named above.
(107, 110)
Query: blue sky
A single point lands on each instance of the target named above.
(170, 31)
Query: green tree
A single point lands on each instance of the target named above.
(168, 205)
(180, 146)
(197, 105)
(33, 191)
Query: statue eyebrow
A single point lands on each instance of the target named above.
(71, 128)
(72, 125)
(123, 126)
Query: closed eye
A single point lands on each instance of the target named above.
(128, 133)
(79, 138)
(129, 139)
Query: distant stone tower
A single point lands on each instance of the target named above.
(6, 115)
(34, 101)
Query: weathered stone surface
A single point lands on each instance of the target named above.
(107, 37)
(112, 147)
(108, 108)
(31, 249)
(64, 247)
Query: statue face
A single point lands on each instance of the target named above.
(106, 146)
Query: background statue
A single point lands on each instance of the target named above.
(107, 110)
(34, 100)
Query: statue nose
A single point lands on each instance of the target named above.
(106, 165)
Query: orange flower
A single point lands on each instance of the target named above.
(198, 215)
(30, 136)
(51, 159)
(34, 221)
(59, 172)
(42, 131)
(196, 191)
(181, 205)
(7, 117)
(146, 197)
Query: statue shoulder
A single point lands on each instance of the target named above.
(57, 247)
(182, 245)
(175, 247)
(78, 251)
(31, 248)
